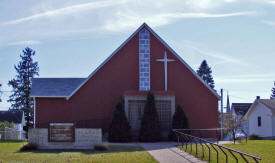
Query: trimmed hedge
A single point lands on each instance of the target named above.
(180, 121)
(150, 130)
(119, 130)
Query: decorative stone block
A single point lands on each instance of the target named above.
(85, 138)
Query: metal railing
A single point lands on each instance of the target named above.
(233, 131)
(186, 139)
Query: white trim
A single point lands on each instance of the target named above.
(125, 42)
(61, 124)
(105, 61)
(49, 96)
(34, 112)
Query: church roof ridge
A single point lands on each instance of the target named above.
(125, 42)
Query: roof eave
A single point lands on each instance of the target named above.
(49, 96)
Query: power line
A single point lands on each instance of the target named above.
(243, 98)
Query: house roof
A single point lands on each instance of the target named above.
(54, 87)
(270, 103)
(11, 116)
(241, 108)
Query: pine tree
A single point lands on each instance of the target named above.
(273, 92)
(20, 99)
(150, 130)
(119, 130)
(180, 121)
(205, 73)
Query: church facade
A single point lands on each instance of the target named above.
(144, 62)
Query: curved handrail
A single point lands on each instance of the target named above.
(179, 132)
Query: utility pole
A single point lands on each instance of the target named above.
(221, 113)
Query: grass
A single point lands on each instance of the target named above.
(9, 152)
(264, 149)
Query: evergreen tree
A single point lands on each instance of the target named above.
(205, 73)
(273, 92)
(20, 99)
(150, 130)
(180, 121)
(119, 130)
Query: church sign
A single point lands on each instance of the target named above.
(61, 132)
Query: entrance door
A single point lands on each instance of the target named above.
(135, 113)
(136, 110)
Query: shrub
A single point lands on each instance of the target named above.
(254, 137)
(101, 147)
(150, 130)
(180, 121)
(28, 147)
(6, 124)
(119, 130)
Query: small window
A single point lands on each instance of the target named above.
(259, 121)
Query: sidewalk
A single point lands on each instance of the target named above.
(166, 152)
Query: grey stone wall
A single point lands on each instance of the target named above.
(85, 138)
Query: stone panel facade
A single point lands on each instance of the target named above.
(85, 138)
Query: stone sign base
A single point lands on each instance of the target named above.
(85, 138)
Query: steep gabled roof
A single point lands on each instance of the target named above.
(241, 108)
(54, 87)
(11, 116)
(269, 103)
(144, 25)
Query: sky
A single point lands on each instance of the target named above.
(72, 37)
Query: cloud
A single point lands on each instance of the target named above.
(194, 49)
(268, 22)
(132, 20)
(66, 11)
(25, 42)
(97, 18)
(245, 78)
(271, 2)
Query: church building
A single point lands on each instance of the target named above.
(141, 63)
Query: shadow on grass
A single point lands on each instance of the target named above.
(111, 149)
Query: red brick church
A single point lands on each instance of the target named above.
(141, 63)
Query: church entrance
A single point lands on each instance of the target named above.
(134, 108)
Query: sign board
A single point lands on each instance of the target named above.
(61, 132)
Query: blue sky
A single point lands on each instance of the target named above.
(72, 37)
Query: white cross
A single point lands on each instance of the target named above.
(165, 60)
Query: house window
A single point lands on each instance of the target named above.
(259, 121)
(61, 132)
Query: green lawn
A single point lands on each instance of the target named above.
(9, 152)
(261, 148)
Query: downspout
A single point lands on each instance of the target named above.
(34, 112)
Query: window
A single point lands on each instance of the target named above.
(259, 121)
(61, 132)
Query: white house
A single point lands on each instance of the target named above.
(15, 117)
(238, 110)
(261, 118)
